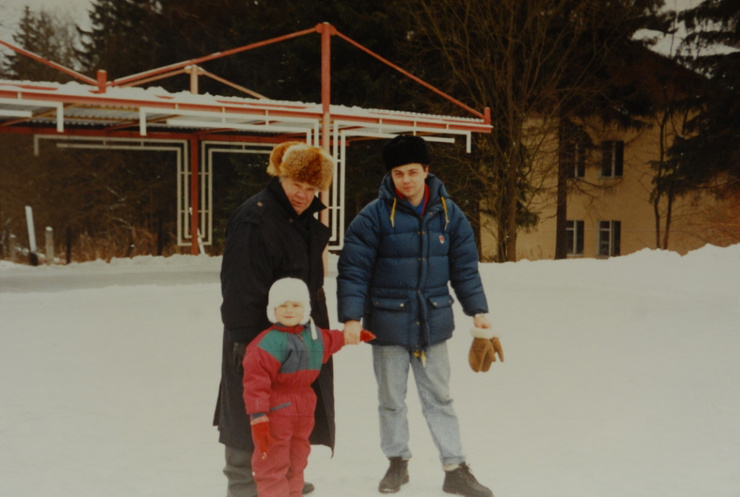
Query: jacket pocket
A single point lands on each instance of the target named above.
(440, 318)
(400, 305)
(389, 318)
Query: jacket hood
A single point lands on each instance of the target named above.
(437, 195)
(437, 189)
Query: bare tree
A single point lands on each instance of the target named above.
(530, 61)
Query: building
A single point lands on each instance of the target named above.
(611, 175)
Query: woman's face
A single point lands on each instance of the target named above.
(300, 193)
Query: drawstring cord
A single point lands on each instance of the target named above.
(422, 356)
(393, 212)
(444, 206)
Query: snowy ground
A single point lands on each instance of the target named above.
(622, 378)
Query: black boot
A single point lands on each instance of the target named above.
(461, 481)
(397, 475)
(307, 488)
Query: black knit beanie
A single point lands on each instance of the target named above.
(406, 149)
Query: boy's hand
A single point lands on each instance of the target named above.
(366, 336)
(352, 331)
(261, 435)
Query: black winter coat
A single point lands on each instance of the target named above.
(265, 241)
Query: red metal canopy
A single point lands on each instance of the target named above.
(89, 109)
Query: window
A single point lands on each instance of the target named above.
(612, 158)
(610, 233)
(575, 160)
(574, 229)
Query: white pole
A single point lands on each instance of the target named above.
(49, 245)
(12, 248)
(31, 230)
(31, 235)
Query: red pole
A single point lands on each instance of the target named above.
(326, 30)
(146, 74)
(102, 80)
(194, 197)
(49, 63)
(411, 76)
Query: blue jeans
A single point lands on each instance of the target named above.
(391, 364)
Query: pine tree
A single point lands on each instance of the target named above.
(44, 35)
(714, 148)
(121, 39)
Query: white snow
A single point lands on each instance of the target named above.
(622, 378)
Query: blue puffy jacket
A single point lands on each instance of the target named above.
(395, 268)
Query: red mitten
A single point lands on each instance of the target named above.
(366, 336)
(261, 435)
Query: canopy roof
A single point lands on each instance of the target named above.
(79, 109)
(123, 110)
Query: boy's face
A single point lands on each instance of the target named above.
(289, 313)
(410, 180)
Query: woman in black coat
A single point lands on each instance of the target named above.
(272, 235)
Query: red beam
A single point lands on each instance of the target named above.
(49, 63)
(411, 76)
(146, 74)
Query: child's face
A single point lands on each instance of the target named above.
(289, 313)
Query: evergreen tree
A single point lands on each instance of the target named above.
(44, 35)
(121, 39)
(714, 146)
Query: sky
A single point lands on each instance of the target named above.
(11, 11)
(621, 379)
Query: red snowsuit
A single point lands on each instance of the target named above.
(279, 367)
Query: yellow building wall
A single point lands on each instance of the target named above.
(626, 199)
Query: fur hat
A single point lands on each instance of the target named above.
(289, 289)
(406, 149)
(302, 162)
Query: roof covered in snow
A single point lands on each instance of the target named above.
(76, 108)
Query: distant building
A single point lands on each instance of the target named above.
(610, 185)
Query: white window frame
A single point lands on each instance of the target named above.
(575, 229)
(612, 160)
(609, 239)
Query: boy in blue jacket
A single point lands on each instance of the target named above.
(400, 253)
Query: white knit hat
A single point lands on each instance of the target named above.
(289, 289)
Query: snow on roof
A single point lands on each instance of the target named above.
(71, 106)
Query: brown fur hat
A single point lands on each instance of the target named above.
(302, 162)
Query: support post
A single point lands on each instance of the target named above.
(102, 80)
(32, 254)
(193, 71)
(326, 30)
(13, 247)
(194, 196)
(49, 245)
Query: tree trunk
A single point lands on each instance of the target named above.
(561, 216)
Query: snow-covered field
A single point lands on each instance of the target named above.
(622, 378)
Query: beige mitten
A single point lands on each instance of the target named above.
(484, 349)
